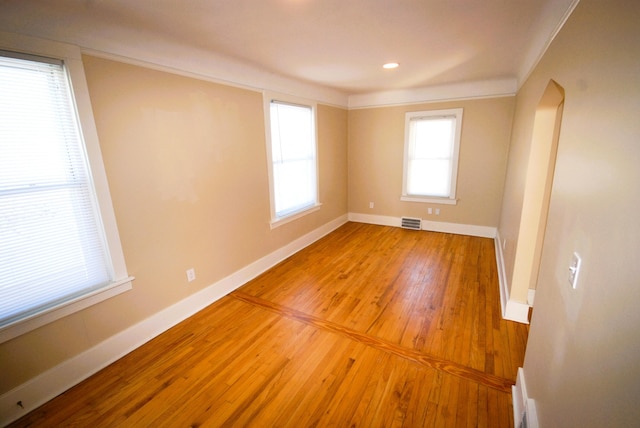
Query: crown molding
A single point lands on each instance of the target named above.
(189, 61)
(454, 92)
(541, 44)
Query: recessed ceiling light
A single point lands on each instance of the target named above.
(391, 65)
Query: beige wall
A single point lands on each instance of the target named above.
(177, 149)
(581, 363)
(376, 149)
(186, 165)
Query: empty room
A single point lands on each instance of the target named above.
(309, 213)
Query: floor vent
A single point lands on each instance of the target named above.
(411, 223)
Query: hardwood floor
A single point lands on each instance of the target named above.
(371, 326)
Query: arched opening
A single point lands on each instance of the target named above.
(537, 193)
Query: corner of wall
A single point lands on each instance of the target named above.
(511, 309)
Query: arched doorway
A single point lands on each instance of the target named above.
(537, 193)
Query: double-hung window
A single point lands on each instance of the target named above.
(432, 144)
(291, 147)
(55, 253)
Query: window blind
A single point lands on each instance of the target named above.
(294, 157)
(52, 248)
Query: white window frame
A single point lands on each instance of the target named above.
(121, 281)
(268, 97)
(432, 114)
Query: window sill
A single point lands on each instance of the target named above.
(25, 325)
(279, 221)
(444, 201)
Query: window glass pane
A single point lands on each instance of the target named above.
(429, 177)
(294, 184)
(293, 132)
(433, 138)
(51, 243)
(293, 156)
(430, 149)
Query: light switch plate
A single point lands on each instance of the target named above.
(574, 269)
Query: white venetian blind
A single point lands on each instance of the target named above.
(293, 153)
(51, 246)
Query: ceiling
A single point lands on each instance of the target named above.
(339, 44)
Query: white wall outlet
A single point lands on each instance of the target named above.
(429, 210)
(370, 204)
(574, 269)
(191, 274)
(437, 211)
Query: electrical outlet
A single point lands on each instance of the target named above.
(574, 269)
(370, 204)
(191, 274)
(437, 211)
(429, 210)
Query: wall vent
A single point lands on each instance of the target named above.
(411, 223)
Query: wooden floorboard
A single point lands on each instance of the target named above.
(370, 326)
(450, 367)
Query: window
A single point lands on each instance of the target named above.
(291, 148)
(432, 141)
(57, 255)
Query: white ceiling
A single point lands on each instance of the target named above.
(339, 44)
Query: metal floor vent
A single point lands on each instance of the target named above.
(411, 223)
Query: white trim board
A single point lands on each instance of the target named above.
(380, 220)
(58, 379)
(189, 61)
(531, 297)
(454, 92)
(522, 404)
(432, 226)
(540, 44)
(511, 310)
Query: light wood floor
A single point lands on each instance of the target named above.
(371, 326)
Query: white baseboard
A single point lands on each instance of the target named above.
(380, 220)
(58, 379)
(523, 406)
(433, 226)
(511, 310)
(502, 273)
(531, 297)
(516, 311)
(460, 229)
